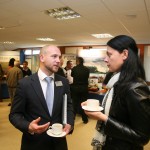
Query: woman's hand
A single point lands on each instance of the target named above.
(97, 115)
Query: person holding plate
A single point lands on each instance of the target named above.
(124, 124)
(38, 104)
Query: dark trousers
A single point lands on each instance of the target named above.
(43, 142)
(79, 94)
(0, 91)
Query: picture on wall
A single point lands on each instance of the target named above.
(94, 60)
(67, 57)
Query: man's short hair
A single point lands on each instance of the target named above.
(68, 62)
(80, 59)
(25, 62)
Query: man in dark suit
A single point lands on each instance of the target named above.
(79, 88)
(29, 112)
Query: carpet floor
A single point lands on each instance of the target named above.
(80, 139)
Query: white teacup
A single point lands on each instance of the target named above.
(57, 128)
(93, 103)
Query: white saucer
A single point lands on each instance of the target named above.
(50, 133)
(99, 108)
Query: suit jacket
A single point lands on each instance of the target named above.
(61, 72)
(13, 76)
(80, 74)
(29, 103)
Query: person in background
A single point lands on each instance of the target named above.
(107, 78)
(61, 71)
(30, 111)
(69, 66)
(105, 81)
(1, 77)
(10, 65)
(25, 69)
(124, 124)
(13, 76)
(79, 88)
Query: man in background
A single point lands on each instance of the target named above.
(61, 71)
(69, 66)
(13, 76)
(25, 69)
(1, 76)
(79, 88)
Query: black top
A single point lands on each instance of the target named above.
(61, 72)
(107, 77)
(80, 74)
(26, 72)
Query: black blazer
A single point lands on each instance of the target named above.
(29, 103)
(128, 125)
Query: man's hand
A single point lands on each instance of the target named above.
(67, 128)
(84, 103)
(35, 128)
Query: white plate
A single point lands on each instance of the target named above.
(50, 133)
(99, 108)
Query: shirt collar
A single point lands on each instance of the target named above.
(42, 75)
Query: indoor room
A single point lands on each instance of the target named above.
(77, 32)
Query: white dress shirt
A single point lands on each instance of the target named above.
(43, 83)
(69, 77)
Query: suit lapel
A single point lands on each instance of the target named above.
(38, 90)
(56, 94)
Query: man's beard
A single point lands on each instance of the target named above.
(51, 70)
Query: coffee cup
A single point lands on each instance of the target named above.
(56, 128)
(92, 103)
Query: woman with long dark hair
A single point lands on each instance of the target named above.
(124, 124)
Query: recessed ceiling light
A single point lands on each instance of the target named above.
(62, 13)
(132, 16)
(2, 28)
(45, 39)
(102, 35)
(7, 42)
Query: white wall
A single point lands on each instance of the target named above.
(147, 62)
(5, 56)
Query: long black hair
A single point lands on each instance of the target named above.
(132, 69)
